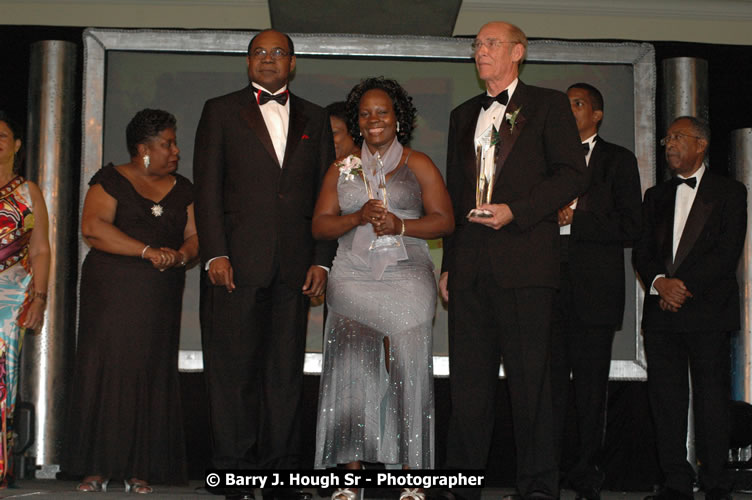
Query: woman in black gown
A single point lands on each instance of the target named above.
(124, 419)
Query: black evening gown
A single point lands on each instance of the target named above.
(124, 417)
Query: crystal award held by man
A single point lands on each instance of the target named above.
(485, 170)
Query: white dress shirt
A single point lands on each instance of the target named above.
(685, 197)
(494, 114)
(277, 120)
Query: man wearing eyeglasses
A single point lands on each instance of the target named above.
(500, 272)
(589, 306)
(692, 236)
(260, 155)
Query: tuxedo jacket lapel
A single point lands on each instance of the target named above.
(295, 129)
(508, 134)
(665, 229)
(698, 216)
(597, 159)
(469, 138)
(251, 115)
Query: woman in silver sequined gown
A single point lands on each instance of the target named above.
(376, 396)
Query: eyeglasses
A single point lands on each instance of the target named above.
(490, 43)
(676, 137)
(276, 53)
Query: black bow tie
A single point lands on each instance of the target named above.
(501, 98)
(586, 147)
(263, 97)
(691, 182)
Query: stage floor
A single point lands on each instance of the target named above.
(49, 489)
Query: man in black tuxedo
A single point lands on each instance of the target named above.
(589, 306)
(499, 273)
(693, 229)
(260, 155)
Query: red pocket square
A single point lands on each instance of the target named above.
(305, 136)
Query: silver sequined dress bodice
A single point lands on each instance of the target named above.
(366, 411)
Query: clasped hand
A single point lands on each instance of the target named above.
(164, 258)
(565, 215)
(373, 212)
(673, 293)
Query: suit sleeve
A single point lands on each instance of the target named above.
(324, 251)
(646, 258)
(208, 174)
(622, 222)
(453, 181)
(723, 260)
(568, 175)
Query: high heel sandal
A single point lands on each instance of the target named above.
(347, 494)
(412, 494)
(138, 486)
(92, 486)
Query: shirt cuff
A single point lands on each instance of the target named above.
(653, 291)
(323, 267)
(208, 262)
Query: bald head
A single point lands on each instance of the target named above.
(512, 31)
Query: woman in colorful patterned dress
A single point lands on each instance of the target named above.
(24, 268)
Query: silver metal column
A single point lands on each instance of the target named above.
(741, 368)
(685, 92)
(47, 357)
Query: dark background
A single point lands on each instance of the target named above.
(630, 461)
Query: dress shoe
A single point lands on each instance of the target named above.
(718, 494)
(669, 494)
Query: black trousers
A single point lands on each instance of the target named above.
(487, 323)
(254, 346)
(583, 352)
(706, 355)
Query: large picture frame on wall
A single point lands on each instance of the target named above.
(177, 70)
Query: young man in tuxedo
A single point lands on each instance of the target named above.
(499, 273)
(693, 229)
(260, 155)
(589, 305)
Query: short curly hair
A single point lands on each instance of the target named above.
(401, 101)
(146, 125)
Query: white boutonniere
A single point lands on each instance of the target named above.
(350, 167)
(511, 118)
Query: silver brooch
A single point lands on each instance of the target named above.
(156, 210)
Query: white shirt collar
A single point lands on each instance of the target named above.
(259, 87)
(698, 174)
(510, 89)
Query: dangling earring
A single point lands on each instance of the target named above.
(398, 127)
(147, 160)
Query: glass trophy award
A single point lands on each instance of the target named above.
(485, 170)
(386, 241)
